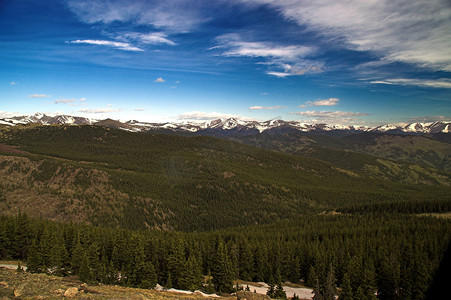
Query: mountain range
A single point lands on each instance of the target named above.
(233, 126)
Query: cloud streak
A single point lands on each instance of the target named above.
(257, 107)
(287, 60)
(413, 32)
(439, 83)
(174, 16)
(113, 44)
(152, 38)
(324, 102)
(38, 96)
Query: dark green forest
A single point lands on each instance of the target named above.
(199, 212)
(356, 256)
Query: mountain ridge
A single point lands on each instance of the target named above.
(232, 126)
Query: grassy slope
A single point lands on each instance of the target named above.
(117, 178)
(42, 286)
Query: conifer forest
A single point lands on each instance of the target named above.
(199, 213)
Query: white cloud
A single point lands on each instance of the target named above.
(257, 107)
(69, 101)
(159, 80)
(416, 32)
(98, 110)
(439, 83)
(152, 38)
(13, 83)
(289, 58)
(118, 45)
(264, 94)
(38, 96)
(7, 114)
(177, 16)
(65, 101)
(324, 102)
(206, 116)
(139, 109)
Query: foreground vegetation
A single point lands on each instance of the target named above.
(395, 256)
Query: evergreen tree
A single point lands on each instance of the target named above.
(58, 256)
(346, 289)
(222, 270)
(312, 278)
(279, 292)
(34, 261)
(176, 261)
(330, 289)
(85, 273)
(209, 287)
(22, 236)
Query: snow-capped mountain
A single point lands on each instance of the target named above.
(232, 126)
(47, 120)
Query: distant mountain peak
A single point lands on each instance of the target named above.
(230, 126)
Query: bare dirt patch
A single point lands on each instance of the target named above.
(11, 149)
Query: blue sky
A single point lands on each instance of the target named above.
(343, 62)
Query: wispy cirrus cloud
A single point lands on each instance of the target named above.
(69, 101)
(257, 107)
(65, 101)
(118, 45)
(416, 32)
(174, 16)
(285, 60)
(39, 96)
(431, 83)
(152, 38)
(323, 102)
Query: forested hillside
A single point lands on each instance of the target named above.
(199, 212)
(138, 180)
(401, 158)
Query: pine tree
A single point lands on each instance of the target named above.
(176, 260)
(246, 262)
(279, 292)
(58, 255)
(330, 289)
(222, 270)
(22, 236)
(209, 288)
(85, 273)
(312, 278)
(346, 288)
(34, 261)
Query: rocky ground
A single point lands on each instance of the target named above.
(23, 285)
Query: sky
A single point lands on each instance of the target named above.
(350, 62)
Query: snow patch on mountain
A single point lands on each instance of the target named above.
(233, 125)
